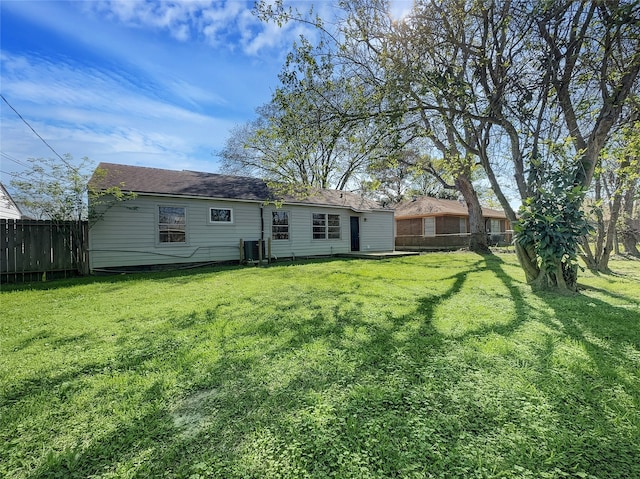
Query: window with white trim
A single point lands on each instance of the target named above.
(429, 226)
(221, 215)
(463, 225)
(280, 225)
(326, 226)
(172, 224)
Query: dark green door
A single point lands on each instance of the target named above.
(355, 233)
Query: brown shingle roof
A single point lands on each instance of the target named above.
(145, 180)
(428, 206)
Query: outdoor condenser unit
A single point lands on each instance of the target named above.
(251, 251)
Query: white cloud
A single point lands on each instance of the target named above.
(219, 24)
(145, 83)
(175, 17)
(398, 9)
(102, 115)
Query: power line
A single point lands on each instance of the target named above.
(12, 174)
(37, 134)
(11, 158)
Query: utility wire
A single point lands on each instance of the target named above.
(13, 174)
(11, 158)
(37, 134)
(43, 172)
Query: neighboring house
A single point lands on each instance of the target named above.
(431, 223)
(192, 217)
(8, 208)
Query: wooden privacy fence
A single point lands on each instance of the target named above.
(31, 248)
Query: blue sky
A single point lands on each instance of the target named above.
(136, 82)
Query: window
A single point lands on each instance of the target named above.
(326, 226)
(280, 225)
(334, 226)
(463, 225)
(220, 215)
(430, 226)
(172, 223)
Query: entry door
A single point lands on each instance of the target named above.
(355, 233)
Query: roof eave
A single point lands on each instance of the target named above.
(249, 200)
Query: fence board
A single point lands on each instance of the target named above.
(60, 248)
(33, 247)
(8, 258)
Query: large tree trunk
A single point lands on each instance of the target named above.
(528, 261)
(478, 240)
(563, 279)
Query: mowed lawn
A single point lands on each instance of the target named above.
(442, 365)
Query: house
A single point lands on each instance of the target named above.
(9, 210)
(431, 223)
(194, 217)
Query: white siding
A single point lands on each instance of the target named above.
(301, 242)
(129, 237)
(128, 233)
(8, 209)
(376, 231)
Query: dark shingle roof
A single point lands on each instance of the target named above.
(144, 180)
(428, 206)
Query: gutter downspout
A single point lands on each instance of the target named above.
(262, 223)
(261, 242)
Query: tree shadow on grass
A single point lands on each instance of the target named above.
(178, 275)
(595, 359)
(350, 392)
(587, 363)
(120, 280)
(140, 440)
(342, 391)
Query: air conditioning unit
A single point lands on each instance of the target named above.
(252, 251)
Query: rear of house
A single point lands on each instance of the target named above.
(426, 223)
(190, 217)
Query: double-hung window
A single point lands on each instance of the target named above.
(172, 224)
(429, 226)
(463, 225)
(280, 225)
(326, 226)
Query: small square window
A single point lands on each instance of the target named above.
(220, 215)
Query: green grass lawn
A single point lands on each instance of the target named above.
(442, 365)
